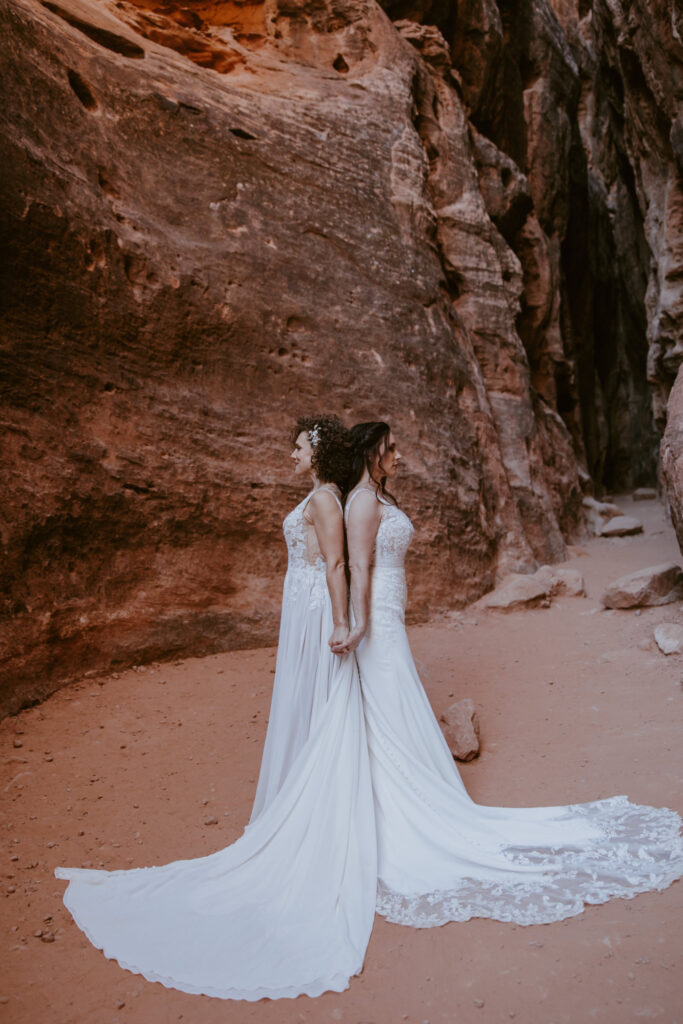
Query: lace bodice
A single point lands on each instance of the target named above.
(394, 534)
(393, 539)
(305, 564)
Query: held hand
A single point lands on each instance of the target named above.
(338, 638)
(352, 640)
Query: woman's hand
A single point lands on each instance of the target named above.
(353, 638)
(338, 639)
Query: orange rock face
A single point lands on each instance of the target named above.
(219, 216)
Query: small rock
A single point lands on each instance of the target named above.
(669, 637)
(516, 591)
(659, 584)
(644, 494)
(460, 726)
(211, 821)
(598, 513)
(18, 744)
(478, 1002)
(621, 526)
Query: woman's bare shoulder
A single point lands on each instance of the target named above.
(325, 501)
(362, 505)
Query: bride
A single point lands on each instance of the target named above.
(288, 908)
(441, 857)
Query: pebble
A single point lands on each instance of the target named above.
(478, 1002)
(18, 743)
(211, 821)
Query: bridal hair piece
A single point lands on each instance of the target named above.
(329, 440)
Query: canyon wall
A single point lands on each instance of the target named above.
(217, 216)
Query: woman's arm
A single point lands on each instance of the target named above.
(361, 530)
(327, 520)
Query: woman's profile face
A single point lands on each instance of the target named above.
(389, 457)
(302, 454)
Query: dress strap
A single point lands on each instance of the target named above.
(350, 499)
(331, 489)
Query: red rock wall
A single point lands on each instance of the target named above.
(218, 217)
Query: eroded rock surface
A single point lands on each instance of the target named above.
(223, 216)
(656, 585)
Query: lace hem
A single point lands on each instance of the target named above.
(639, 850)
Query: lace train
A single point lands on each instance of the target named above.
(639, 850)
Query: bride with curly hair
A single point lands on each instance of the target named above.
(288, 908)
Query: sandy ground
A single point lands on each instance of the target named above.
(575, 703)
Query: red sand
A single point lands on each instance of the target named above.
(125, 771)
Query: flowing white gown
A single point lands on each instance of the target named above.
(288, 908)
(359, 807)
(441, 857)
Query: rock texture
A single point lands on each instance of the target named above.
(460, 725)
(672, 456)
(621, 526)
(659, 584)
(534, 589)
(669, 637)
(459, 218)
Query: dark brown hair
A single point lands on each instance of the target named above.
(331, 459)
(367, 441)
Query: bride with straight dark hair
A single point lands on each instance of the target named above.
(441, 857)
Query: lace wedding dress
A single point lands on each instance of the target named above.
(441, 857)
(288, 908)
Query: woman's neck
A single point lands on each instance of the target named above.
(367, 480)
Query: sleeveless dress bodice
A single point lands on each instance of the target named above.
(388, 593)
(394, 536)
(305, 579)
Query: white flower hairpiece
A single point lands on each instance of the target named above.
(314, 436)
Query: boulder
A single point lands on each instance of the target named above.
(623, 526)
(669, 637)
(598, 513)
(659, 584)
(460, 726)
(517, 591)
(569, 582)
(645, 494)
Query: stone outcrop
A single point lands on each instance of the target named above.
(658, 584)
(672, 456)
(460, 726)
(217, 218)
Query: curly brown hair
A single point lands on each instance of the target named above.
(331, 459)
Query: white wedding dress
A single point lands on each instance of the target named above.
(441, 857)
(359, 806)
(288, 908)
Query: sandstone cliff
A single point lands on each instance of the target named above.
(220, 215)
